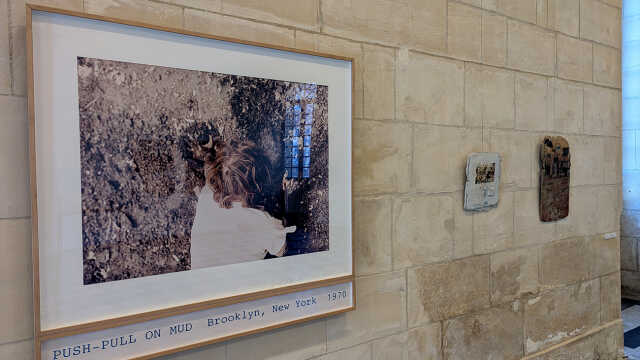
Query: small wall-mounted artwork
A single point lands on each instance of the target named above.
(555, 165)
(483, 178)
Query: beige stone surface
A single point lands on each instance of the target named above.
(210, 5)
(564, 262)
(223, 25)
(607, 197)
(440, 155)
(518, 151)
(331, 45)
(5, 61)
(360, 352)
(424, 342)
(612, 160)
(492, 334)
(16, 309)
(489, 97)
(542, 13)
(14, 158)
(564, 16)
(423, 230)
(17, 351)
(587, 160)
(574, 309)
(575, 59)
(494, 39)
(381, 311)
(381, 157)
(606, 66)
(600, 22)
(525, 10)
(531, 48)
(379, 72)
(529, 229)
(391, 347)
(568, 104)
(514, 273)
(602, 345)
(295, 342)
(420, 25)
(18, 10)
(302, 14)
(463, 229)
(493, 230)
(137, 10)
(441, 291)
(629, 253)
(210, 352)
(610, 297)
(616, 3)
(606, 255)
(18, 60)
(583, 214)
(430, 89)
(477, 3)
(533, 103)
(372, 235)
(601, 111)
(464, 33)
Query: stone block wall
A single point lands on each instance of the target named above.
(435, 80)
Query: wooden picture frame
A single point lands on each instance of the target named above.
(42, 335)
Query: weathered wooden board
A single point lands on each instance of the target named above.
(555, 166)
(483, 179)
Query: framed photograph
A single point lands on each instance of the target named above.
(186, 188)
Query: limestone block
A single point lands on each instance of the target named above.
(525, 10)
(477, 3)
(513, 273)
(390, 347)
(18, 60)
(605, 255)
(606, 66)
(518, 151)
(601, 111)
(575, 59)
(419, 25)
(381, 157)
(463, 229)
(564, 262)
(433, 171)
(587, 163)
(210, 352)
(616, 3)
(5, 66)
(607, 219)
(372, 235)
(542, 13)
(16, 309)
(296, 342)
(137, 10)
(424, 342)
(629, 253)
(583, 214)
(600, 23)
(210, 5)
(464, 34)
(228, 26)
(360, 352)
(612, 163)
(531, 48)
(302, 14)
(489, 97)
(528, 227)
(533, 103)
(610, 297)
(17, 351)
(567, 106)
(630, 223)
(441, 291)
(423, 230)
(430, 89)
(592, 347)
(379, 73)
(559, 314)
(380, 312)
(493, 230)
(14, 158)
(495, 333)
(326, 44)
(564, 16)
(494, 39)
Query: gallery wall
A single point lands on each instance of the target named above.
(435, 81)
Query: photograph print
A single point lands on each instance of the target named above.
(185, 169)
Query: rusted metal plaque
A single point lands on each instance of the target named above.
(555, 166)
